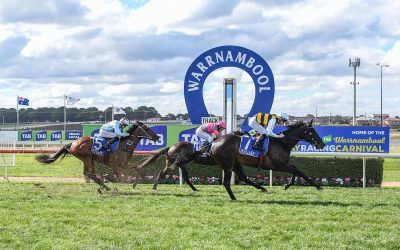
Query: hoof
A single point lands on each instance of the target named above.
(99, 190)
(286, 186)
(154, 189)
(320, 188)
(264, 191)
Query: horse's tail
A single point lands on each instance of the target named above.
(53, 157)
(153, 158)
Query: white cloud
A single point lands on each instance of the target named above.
(135, 54)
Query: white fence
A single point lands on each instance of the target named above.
(7, 160)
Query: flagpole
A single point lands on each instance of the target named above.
(112, 113)
(17, 113)
(65, 113)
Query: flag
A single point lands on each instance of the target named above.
(119, 111)
(71, 100)
(23, 101)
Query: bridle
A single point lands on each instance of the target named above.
(313, 140)
(146, 135)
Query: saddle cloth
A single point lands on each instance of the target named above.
(98, 146)
(246, 146)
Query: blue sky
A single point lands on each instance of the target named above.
(133, 53)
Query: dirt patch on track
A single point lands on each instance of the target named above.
(390, 184)
(45, 179)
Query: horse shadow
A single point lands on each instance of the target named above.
(131, 194)
(302, 203)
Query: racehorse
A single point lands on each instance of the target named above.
(81, 149)
(225, 152)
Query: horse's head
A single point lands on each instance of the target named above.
(311, 136)
(146, 132)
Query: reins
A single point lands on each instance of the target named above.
(146, 136)
(292, 137)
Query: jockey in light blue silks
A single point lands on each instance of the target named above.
(113, 130)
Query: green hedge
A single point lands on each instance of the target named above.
(315, 167)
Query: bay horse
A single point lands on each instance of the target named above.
(81, 149)
(225, 152)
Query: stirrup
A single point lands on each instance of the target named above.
(256, 147)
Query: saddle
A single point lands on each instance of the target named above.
(201, 148)
(98, 147)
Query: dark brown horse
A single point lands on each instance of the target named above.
(81, 149)
(225, 152)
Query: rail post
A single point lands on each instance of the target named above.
(364, 172)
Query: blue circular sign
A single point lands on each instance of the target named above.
(228, 56)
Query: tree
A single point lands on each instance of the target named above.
(144, 112)
(169, 116)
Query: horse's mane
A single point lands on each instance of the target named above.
(131, 128)
(296, 125)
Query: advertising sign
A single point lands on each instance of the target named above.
(25, 136)
(214, 119)
(73, 135)
(149, 145)
(350, 139)
(49, 135)
(228, 56)
(41, 136)
(56, 135)
(337, 139)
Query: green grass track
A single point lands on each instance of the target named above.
(75, 216)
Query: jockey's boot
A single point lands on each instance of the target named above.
(258, 145)
(205, 147)
(107, 146)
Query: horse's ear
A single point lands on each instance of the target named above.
(310, 123)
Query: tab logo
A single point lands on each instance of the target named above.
(55, 136)
(42, 135)
(26, 136)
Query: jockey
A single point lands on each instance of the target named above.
(113, 130)
(264, 125)
(205, 132)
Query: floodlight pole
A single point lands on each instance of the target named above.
(381, 66)
(354, 64)
(65, 113)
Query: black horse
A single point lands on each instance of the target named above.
(225, 152)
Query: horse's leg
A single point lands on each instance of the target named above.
(238, 169)
(185, 176)
(291, 182)
(163, 173)
(88, 171)
(138, 175)
(227, 182)
(297, 172)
